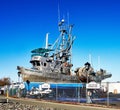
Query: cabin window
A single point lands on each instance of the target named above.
(41, 63)
(38, 63)
(44, 64)
(33, 63)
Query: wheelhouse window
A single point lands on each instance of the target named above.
(44, 64)
(35, 63)
(38, 63)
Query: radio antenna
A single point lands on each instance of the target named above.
(68, 18)
(58, 13)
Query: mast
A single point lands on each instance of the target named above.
(63, 31)
(90, 59)
(47, 41)
(58, 13)
(71, 41)
(98, 62)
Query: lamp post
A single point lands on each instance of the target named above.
(87, 68)
(7, 93)
(107, 93)
(86, 89)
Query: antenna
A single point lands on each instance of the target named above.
(98, 62)
(68, 17)
(58, 13)
(46, 40)
(90, 59)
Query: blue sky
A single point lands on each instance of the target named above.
(24, 23)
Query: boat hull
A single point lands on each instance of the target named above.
(38, 76)
(35, 78)
(55, 77)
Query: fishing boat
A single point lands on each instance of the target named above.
(53, 62)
